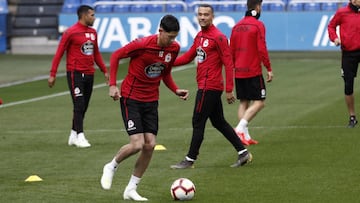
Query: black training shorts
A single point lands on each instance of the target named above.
(250, 88)
(139, 117)
(349, 63)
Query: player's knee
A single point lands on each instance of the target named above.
(349, 86)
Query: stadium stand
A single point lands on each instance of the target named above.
(108, 6)
(3, 25)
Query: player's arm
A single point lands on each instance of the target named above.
(264, 54)
(64, 42)
(224, 52)
(334, 22)
(100, 62)
(187, 57)
(170, 83)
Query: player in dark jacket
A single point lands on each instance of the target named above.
(212, 50)
(81, 47)
(348, 19)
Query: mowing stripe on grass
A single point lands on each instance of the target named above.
(173, 129)
(66, 92)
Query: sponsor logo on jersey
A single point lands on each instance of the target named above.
(154, 70)
(87, 48)
(201, 54)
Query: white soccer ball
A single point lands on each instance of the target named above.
(182, 189)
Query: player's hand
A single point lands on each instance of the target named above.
(183, 94)
(337, 42)
(270, 76)
(106, 78)
(51, 81)
(114, 92)
(230, 97)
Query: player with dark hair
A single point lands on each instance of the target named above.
(212, 50)
(348, 19)
(248, 46)
(81, 47)
(151, 60)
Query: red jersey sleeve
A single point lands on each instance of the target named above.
(98, 58)
(187, 57)
(263, 49)
(63, 44)
(334, 22)
(226, 58)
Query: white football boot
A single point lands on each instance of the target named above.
(107, 176)
(82, 142)
(72, 138)
(131, 194)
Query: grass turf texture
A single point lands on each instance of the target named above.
(305, 152)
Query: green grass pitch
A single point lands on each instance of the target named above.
(305, 152)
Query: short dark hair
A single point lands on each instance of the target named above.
(170, 23)
(207, 6)
(251, 4)
(83, 9)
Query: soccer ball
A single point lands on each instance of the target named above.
(182, 189)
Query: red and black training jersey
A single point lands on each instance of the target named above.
(212, 50)
(149, 64)
(80, 43)
(349, 21)
(248, 47)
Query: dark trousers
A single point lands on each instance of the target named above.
(80, 86)
(208, 105)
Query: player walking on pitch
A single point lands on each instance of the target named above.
(212, 50)
(81, 47)
(248, 46)
(151, 60)
(348, 18)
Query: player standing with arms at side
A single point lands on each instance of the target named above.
(348, 18)
(248, 47)
(81, 46)
(151, 60)
(212, 50)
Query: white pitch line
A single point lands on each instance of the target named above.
(67, 92)
(171, 129)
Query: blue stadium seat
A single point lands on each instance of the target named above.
(276, 7)
(104, 8)
(121, 8)
(225, 8)
(240, 7)
(3, 7)
(154, 8)
(174, 8)
(295, 7)
(88, 2)
(329, 6)
(137, 8)
(265, 7)
(70, 6)
(312, 7)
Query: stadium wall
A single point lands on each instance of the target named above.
(286, 31)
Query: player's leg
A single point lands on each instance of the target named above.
(201, 112)
(76, 87)
(149, 119)
(218, 121)
(142, 163)
(256, 92)
(131, 116)
(349, 70)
